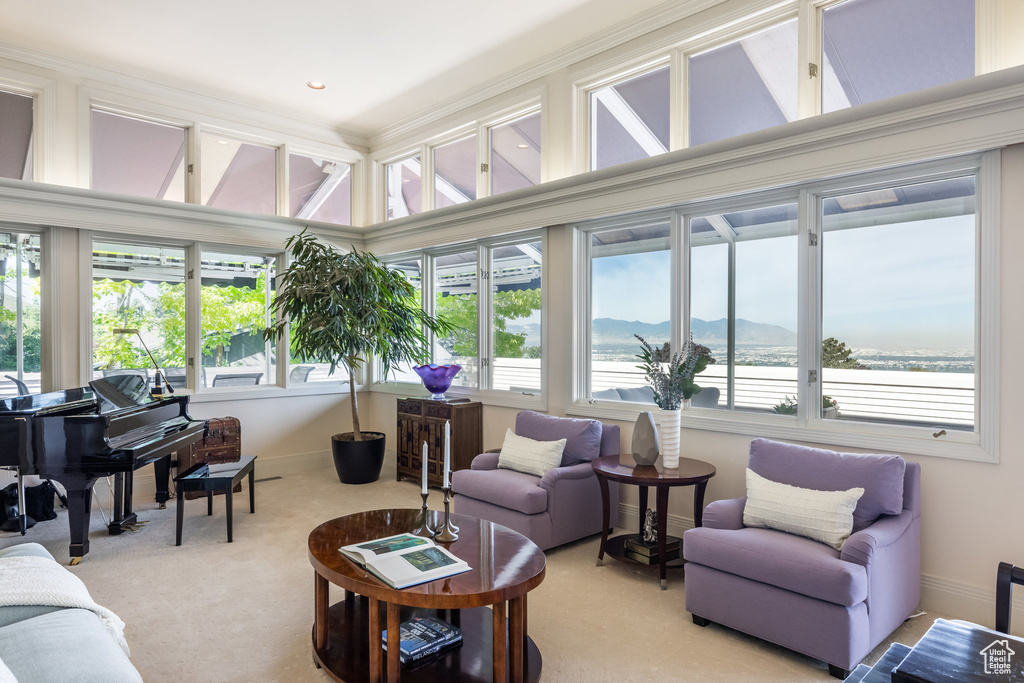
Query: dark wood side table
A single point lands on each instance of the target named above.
(347, 635)
(422, 419)
(689, 473)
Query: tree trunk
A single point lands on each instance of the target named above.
(356, 434)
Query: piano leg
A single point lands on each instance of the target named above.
(123, 517)
(22, 513)
(162, 473)
(79, 513)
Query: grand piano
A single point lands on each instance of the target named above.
(76, 436)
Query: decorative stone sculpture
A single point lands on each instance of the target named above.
(645, 440)
(650, 531)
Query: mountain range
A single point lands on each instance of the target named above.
(709, 333)
(713, 332)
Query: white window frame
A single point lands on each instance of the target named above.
(483, 391)
(981, 444)
(351, 161)
(43, 92)
(86, 142)
(484, 142)
(585, 86)
(272, 386)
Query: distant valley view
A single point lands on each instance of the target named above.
(756, 344)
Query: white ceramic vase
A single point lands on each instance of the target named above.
(668, 438)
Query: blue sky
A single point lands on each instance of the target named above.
(903, 285)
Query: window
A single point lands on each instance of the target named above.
(403, 181)
(515, 154)
(873, 49)
(136, 157)
(744, 306)
(236, 292)
(624, 261)
(746, 85)
(455, 299)
(412, 269)
(630, 119)
(498, 335)
(515, 317)
(898, 304)
(319, 190)
(238, 175)
(455, 171)
(20, 304)
(854, 311)
(137, 288)
(16, 135)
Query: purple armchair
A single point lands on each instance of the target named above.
(561, 506)
(834, 605)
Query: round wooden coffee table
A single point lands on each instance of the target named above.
(347, 635)
(689, 473)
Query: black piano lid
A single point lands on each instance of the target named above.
(50, 402)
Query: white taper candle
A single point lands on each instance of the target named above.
(424, 462)
(447, 455)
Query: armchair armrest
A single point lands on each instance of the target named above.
(725, 514)
(862, 546)
(580, 470)
(485, 461)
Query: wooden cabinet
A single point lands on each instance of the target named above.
(422, 419)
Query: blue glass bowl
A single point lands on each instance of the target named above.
(437, 378)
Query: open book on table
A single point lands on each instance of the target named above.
(405, 560)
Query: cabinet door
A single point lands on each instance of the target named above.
(410, 442)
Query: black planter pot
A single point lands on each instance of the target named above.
(358, 462)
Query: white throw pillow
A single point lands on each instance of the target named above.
(6, 676)
(825, 516)
(526, 455)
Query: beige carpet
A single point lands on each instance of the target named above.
(213, 611)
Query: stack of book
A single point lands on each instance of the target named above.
(635, 549)
(423, 637)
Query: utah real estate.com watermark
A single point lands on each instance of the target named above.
(998, 658)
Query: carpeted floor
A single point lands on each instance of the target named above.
(213, 611)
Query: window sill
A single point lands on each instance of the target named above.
(211, 395)
(503, 399)
(863, 436)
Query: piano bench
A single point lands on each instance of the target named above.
(215, 478)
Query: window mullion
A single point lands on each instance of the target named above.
(809, 307)
(809, 52)
(193, 316)
(485, 338)
(427, 298)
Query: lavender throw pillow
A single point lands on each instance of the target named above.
(582, 437)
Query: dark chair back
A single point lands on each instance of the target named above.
(1006, 576)
(238, 379)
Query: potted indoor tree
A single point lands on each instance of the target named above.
(342, 308)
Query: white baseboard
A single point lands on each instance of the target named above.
(944, 597)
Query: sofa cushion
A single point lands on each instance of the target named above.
(582, 437)
(504, 488)
(607, 395)
(523, 454)
(68, 645)
(881, 476)
(779, 559)
(637, 394)
(825, 516)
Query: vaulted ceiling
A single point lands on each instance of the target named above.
(381, 61)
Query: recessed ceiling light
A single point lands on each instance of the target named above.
(222, 142)
(523, 146)
(316, 85)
